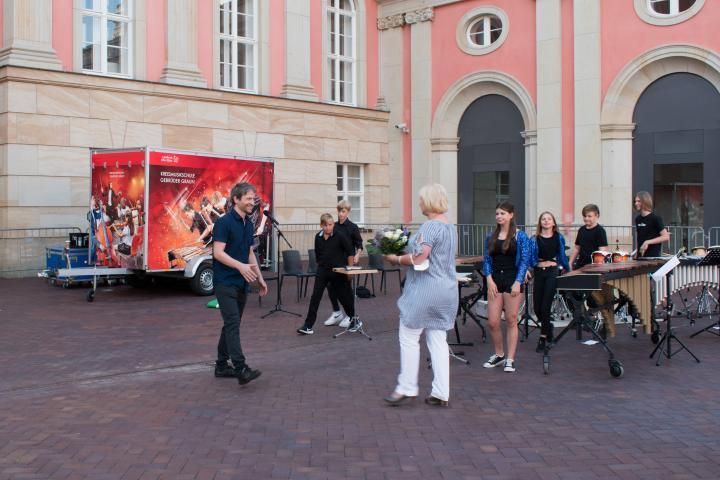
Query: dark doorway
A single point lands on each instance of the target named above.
(676, 149)
(491, 160)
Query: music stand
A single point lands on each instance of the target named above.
(712, 258)
(526, 318)
(664, 346)
(278, 303)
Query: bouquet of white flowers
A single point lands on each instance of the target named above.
(389, 241)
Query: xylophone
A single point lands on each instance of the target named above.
(631, 278)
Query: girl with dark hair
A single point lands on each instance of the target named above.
(547, 255)
(507, 257)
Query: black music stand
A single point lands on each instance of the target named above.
(664, 346)
(712, 258)
(278, 304)
(526, 318)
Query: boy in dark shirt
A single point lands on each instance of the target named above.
(651, 231)
(590, 238)
(332, 250)
(350, 230)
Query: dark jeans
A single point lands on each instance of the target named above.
(334, 299)
(339, 284)
(543, 294)
(232, 303)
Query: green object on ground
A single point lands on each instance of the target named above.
(213, 303)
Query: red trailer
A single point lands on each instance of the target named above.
(152, 211)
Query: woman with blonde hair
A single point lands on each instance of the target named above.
(429, 300)
(547, 249)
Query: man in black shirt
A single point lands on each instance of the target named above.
(332, 250)
(651, 232)
(350, 230)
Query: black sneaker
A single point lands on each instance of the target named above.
(305, 330)
(247, 375)
(540, 345)
(225, 371)
(494, 361)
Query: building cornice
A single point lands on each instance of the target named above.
(400, 19)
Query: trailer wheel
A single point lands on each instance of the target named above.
(202, 282)
(90, 296)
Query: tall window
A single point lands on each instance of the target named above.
(238, 44)
(670, 7)
(342, 55)
(350, 187)
(106, 34)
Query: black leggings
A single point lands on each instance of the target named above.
(543, 294)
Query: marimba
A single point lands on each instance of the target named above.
(631, 278)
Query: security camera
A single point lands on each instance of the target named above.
(402, 127)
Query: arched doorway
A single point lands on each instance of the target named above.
(491, 159)
(676, 148)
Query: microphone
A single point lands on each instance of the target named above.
(272, 219)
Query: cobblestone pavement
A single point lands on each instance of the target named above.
(123, 388)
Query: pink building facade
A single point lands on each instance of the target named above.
(552, 104)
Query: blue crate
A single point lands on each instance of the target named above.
(56, 257)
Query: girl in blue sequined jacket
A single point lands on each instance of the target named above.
(506, 261)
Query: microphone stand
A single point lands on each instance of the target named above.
(278, 304)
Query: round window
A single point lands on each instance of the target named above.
(485, 30)
(670, 7)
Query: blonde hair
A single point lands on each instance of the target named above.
(434, 197)
(344, 204)
(646, 202)
(325, 217)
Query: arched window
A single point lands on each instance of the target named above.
(238, 45)
(342, 52)
(669, 7)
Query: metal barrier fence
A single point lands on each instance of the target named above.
(713, 237)
(22, 250)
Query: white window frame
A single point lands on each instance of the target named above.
(644, 10)
(104, 16)
(487, 31)
(335, 61)
(462, 31)
(235, 42)
(345, 192)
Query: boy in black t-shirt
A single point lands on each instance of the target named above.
(590, 238)
(651, 231)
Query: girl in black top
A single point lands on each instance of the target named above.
(548, 255)
(651, 232)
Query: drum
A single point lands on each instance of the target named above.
(620, 256)
(598, 257)
(699, 251)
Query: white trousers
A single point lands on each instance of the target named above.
(410, 361)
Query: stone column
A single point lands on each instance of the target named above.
(298, 84)
(591, 186)
(392, 91)
(444, 170)
(181, 67)
(549, 106)
(27, 35)
(420, 102)
(531, 177)
(616, 175)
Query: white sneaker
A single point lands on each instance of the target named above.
(345, 322)
(509, 365)
(334, 319)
